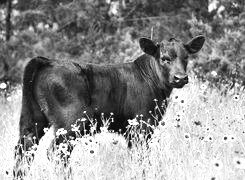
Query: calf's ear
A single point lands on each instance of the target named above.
(194, 45)
(148, 46)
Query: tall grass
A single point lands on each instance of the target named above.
(9, 117)
(202, 137)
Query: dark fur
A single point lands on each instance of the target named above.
(50, 88)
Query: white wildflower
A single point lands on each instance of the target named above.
(3, 85)
(239, 162)
(75, 128)
(61, 131)
(133, 122)
(214, 73)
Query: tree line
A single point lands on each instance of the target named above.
(106, 31)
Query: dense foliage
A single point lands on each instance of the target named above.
(106, 31)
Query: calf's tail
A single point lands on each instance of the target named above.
(32, 120)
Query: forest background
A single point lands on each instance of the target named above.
(107, 31)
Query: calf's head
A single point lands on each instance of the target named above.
(172, 58)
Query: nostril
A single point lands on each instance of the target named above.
(181, 78)
(176, 78)
(185, 78)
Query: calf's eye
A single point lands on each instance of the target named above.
(166, 59)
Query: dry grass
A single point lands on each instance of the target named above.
(203, 138)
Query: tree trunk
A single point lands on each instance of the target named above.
(8, 19)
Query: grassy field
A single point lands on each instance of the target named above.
(203, 138)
